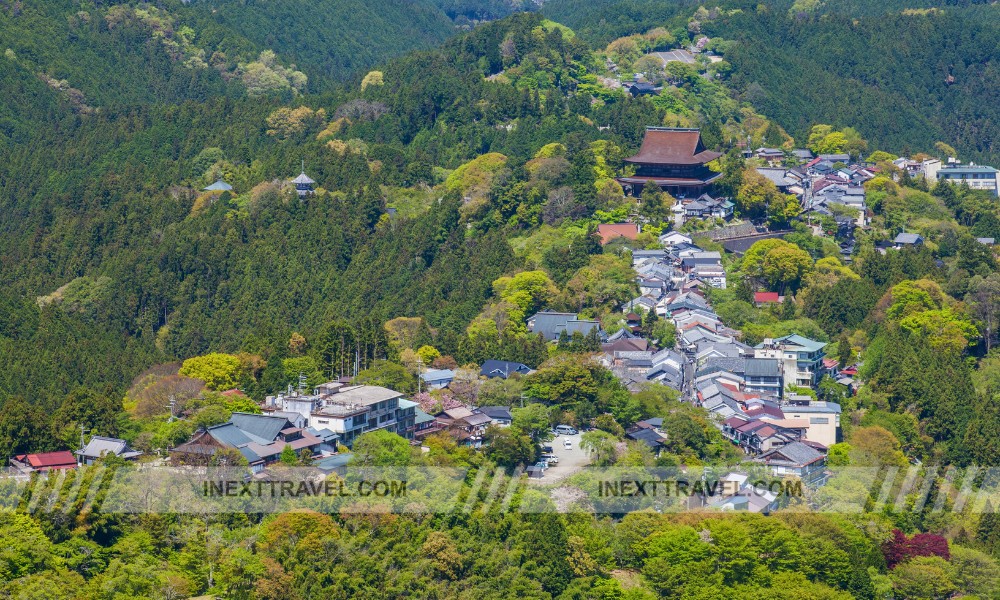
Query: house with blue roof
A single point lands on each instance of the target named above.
(435, 379)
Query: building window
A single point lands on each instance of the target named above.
(819, 420)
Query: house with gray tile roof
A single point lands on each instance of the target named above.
(552, 324)
(908, 239)
(796, 459)
(99, 446)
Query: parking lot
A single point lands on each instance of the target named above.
(570, 459)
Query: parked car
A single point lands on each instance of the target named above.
(551, 459)
(547, 449)
(568, 444)
(566, 430)
(542, 465)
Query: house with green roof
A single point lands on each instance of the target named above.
(801, 358)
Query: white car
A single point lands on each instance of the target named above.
(551, 459)
(568, 444)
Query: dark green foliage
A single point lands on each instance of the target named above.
(909, 372)
(844, 305)
(912, 112)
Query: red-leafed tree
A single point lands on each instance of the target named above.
(901, 548)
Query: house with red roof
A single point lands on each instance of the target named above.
(612, 231)
(764, 298)
(43, 462)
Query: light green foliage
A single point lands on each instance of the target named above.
(475, 177)
(875, 446)
(380, 448)
(373, 79)
(839, 455)
(266, 76)
(26, 550)
(606, 282)
(218, 371)
(601, 447)
(509, 447)
(288, 456)
(82, 294)
(551, 150)
(528, 291)
(389, 375)
(776, 263)
(923, 577)
(881, 156)
(428, 354)
(532, 420)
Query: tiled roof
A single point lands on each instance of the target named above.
(673, 146)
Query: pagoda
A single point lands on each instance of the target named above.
(304, 185)
(675, 159)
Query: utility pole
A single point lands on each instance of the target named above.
(420, 364)
(173, 402)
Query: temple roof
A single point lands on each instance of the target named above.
(663, 145)
(303, 179)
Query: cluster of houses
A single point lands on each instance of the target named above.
(98, 447)
(744, 388)
(332, 417)
(828, 185)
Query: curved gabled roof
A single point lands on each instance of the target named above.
(663, 145)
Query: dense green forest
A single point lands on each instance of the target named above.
(906, 73)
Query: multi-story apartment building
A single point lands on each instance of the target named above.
(801, 358)
(977, 177)
(350, 410)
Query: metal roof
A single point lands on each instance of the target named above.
(218, 186)
(261, 428)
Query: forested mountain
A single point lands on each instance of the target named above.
(905, 73)
(113, 194)
(135, 53)
(458, 189)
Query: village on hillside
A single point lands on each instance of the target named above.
(771, 400)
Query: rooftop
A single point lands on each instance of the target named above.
(967, 169)
(610, 231)
(665, 145)
(908, 238)
(218, 186)
(364, 395)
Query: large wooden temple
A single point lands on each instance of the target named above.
(675, 160)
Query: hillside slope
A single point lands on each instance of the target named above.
(905, 73)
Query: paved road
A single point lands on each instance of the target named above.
(687, 395)
(570, 459)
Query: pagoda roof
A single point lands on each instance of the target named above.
(303, 179)
(218, 186)
(665, 145)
